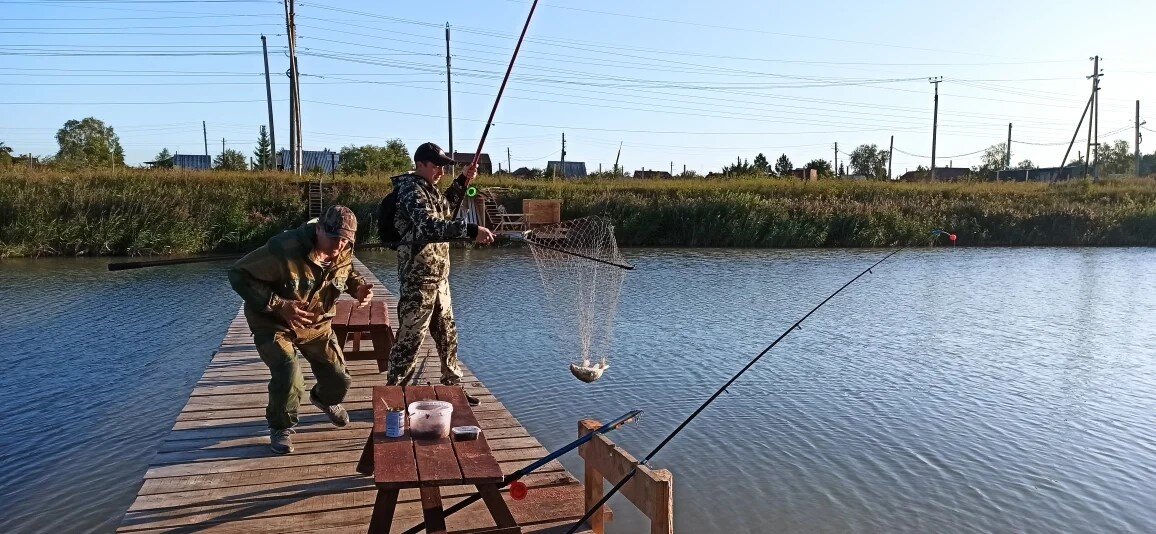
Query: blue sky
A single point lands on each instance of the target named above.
(688, 83)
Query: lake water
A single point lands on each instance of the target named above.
(952, 390)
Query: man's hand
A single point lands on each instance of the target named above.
(485, 236)
(471, 172)
(363, 294)
(294, 313)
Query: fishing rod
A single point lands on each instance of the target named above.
(494, 109)
(512, 478)
(720, 391)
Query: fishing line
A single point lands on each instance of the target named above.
(716, 394)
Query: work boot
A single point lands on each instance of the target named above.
(279, 440)
(337, 415)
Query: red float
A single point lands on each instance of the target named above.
(518, 491)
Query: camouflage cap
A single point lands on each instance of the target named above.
(339, 221)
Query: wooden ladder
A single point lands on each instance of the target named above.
(316, 204)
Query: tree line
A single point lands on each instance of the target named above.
(866, 160)
(90, 143)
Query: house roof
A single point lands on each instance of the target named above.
(571, 169)
(325, 160)
(465, 158)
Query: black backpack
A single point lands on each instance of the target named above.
(386, 211)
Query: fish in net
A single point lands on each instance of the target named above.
(582, 273)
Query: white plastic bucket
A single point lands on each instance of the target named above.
(430, 419)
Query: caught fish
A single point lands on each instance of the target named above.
(587, 372)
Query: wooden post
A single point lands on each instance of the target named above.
(662, 514)
(594, 491)
(652, 491)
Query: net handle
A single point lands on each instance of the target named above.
(525, 236)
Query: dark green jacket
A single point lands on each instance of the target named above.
(281, 271)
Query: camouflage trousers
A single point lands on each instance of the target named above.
(421, 309)
(286, 385)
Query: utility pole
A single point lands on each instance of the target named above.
(835, 169)
(563, 156)
(890, 158)
(450, 99)
(934, 122)
(1096, 114)
(292, 97)
(205, 131)
(294, 85)
(509, 167)
(1138, 138)
(222, 146)
(269, 99)
(1007, 155)
(1093, 105)
(672, 168)
(616, 159)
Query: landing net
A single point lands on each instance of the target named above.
(582, 273)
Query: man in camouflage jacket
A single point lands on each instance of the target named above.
(424, 219)
(290, 287)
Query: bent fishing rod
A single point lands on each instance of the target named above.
(494, 109)
(716, 394)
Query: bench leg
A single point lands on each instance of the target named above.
(383, 508)
(382, 345)
(365, 464)
(431, 509)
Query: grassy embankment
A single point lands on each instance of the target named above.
(158, 212)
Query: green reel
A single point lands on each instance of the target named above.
(472, 192)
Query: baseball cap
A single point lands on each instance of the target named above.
(431, 153)
(339, 221)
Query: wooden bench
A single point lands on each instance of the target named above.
(370, 321)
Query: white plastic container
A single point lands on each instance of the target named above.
(430, 419)
(466, 433)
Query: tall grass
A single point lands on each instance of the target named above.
(137, 212)
(758, 212)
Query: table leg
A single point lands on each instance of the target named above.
(431, 509)
(383, 508)
(497, 505)
(365, 464)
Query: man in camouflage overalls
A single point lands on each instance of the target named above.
(424, 219)
(290, 286)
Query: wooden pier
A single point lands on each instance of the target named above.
(215, 472)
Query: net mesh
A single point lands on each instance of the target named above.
(582, 273)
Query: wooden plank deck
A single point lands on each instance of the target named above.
(215, 472)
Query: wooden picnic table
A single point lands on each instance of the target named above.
(372, 321)
(429, 464)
